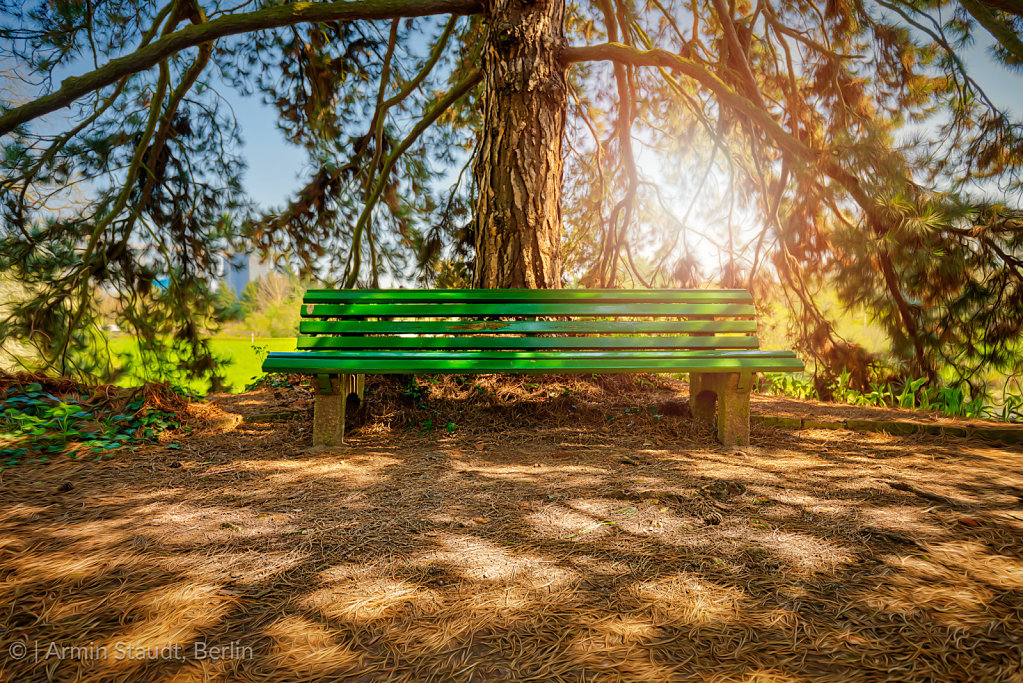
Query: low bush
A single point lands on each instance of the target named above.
(44, 417)
(910, 393)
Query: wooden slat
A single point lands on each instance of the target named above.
(314, 363)
(480, 342)
(474, 344)
(335, 296)
(449, 310)
(444, 354)
(527, 327)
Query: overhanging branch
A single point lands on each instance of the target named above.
(825, 163)
(726, 96)
(615, 52)
(1001, 32)
(427, 120)
(191, 36)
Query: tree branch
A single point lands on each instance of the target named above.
(782, 138)
(428, 118)
(741, 56)
(727, 97)
(1002, 33)
(435, 54)
(272, 17)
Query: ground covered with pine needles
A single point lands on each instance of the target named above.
(493, 529)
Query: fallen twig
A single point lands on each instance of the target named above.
(928, 495)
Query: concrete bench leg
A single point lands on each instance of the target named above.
(330, 406)
(730, 392)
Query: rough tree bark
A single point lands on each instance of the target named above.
(518, 167)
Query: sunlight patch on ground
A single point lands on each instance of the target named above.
(645, 517)
(479, 559)
(978, 562)
(616, 646)
(687, 600)
(715, 469)
(356, 471)
(304, 647)
(577, 475)
(901, 518)
(186, 524)
(364, 600)
(800, 552)
(563, 522)
(92, 535)
(72, 566)
(167, 616)
(246, 568)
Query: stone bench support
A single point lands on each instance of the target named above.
(330, 406)
(729, 393)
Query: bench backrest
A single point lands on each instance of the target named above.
(477, 319)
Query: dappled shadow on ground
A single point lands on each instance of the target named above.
(567, 552)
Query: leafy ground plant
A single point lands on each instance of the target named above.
(911, 393)
(43, 417)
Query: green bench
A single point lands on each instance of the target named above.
(711, 334)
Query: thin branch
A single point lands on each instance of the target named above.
(435, 54)
(376, 126)
(736, 48)
(425, 122)
(191, 36)
(1002, 33)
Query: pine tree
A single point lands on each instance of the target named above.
(513, 143)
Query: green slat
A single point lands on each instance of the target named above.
(478, 342)
(335, 296)
(474, 348)
(527, 327)
(311, 365)
(529, 355)
(448, 310)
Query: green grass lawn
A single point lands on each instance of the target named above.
(243, 360)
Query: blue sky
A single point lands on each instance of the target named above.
(1004, 87)
(274, 166)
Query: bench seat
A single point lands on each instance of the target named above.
(529, 362)
(711, 334)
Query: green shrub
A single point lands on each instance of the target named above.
(787, 384)
(911, 393)
(36, 424)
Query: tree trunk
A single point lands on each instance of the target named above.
(518, 167)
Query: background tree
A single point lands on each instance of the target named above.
(531, 144)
